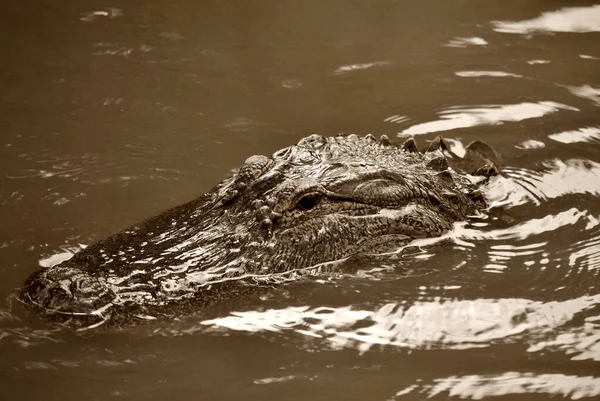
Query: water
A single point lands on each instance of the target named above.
(116, 111)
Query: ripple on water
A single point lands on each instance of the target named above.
(588, 57)
(87, 168)
(586, 134)
(586, 92)
(344, 69)
(585, 254)
(470, 74)
(571, 19)
(441, 324)
(554, 179)
(530, 144)
(527, 229)
(535, 255)
(476, 387)
(465, 117)
(110, 13)
(20, 334)
(538, 61)
(466, 42)
(580, 343)
(134, 163)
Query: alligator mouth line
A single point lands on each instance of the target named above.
(55, 310)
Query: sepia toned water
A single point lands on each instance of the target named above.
(116, 111)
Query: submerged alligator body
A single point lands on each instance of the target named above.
(319, 201)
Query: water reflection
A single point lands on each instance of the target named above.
(465, 42)
(465, 117)
(92, 168)
(589, 57)
(469, 74)
(25, 337)
(110, 12)
(586, 254)
(447, 324)
(530, 144)
(575, 19)
(586, 92)
(556, 178)
(477, 387)
(580, 343)
(114, 49)
(587, 134)
(538, 61)
(357, 67)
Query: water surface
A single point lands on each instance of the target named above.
(117, 111)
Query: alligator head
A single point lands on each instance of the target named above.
(319, 201)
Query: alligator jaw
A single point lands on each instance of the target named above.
(67, 294)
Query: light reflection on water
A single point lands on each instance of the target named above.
(464, 42)
(587, 134)
(477, 387)
(465, 117)
(587, 92)
(560, 178)
(445, 324)
(469, 74)
(576, 19)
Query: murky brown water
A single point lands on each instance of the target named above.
(116, 111)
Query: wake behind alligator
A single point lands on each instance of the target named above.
(310, 204)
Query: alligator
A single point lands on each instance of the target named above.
(275, 219)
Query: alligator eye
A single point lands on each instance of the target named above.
(308, 201)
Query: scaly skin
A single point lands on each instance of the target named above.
(278, 217)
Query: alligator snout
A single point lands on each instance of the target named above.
(50, 296)
(66, 291)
